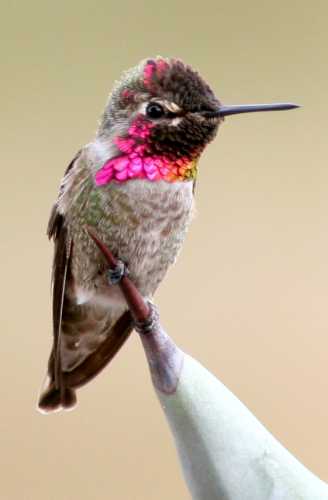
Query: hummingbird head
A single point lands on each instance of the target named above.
(168, 99)
(158, 119)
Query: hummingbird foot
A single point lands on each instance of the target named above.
(115, 274)
(151, 323)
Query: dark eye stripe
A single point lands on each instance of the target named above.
(170, 114)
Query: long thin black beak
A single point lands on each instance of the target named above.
(253, 108)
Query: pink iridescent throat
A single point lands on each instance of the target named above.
(137, 161)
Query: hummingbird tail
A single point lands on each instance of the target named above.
(53, 399)
(61, 396)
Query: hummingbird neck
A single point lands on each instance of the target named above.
(137, 159)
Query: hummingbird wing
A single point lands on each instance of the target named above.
(71, 366)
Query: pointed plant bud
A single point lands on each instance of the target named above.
(224, 451)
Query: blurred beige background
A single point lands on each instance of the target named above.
(258, 318)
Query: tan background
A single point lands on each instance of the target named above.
(258, 315)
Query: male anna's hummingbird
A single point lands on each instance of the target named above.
(134, 185)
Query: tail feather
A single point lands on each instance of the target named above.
(53, 399)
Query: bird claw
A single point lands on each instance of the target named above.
(151, 323)
(115, 275)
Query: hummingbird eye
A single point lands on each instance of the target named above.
(155, 110)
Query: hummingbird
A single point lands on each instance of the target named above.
(134, 185)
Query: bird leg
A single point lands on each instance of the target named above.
(150, 323)
(116, 273)
(142, 311)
